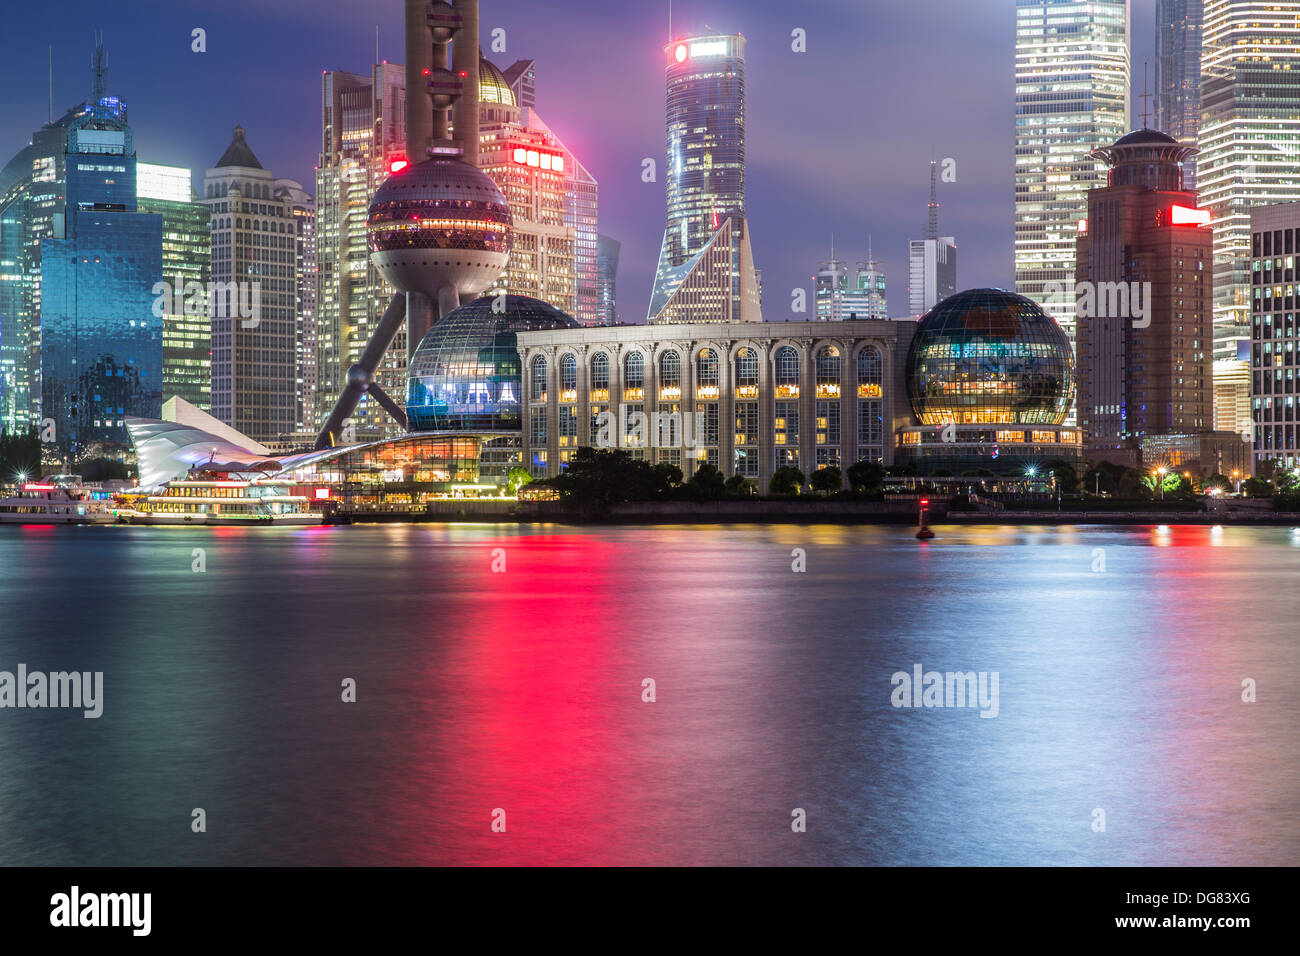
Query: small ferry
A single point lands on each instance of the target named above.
(206, 500)
(58, 500)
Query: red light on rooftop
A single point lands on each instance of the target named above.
(397, 165)
(680, 53)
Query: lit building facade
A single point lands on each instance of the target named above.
(302, 206)
(182, 299)
(841, 293)
(363, 133)
(1178, 74)
(1249, 139)
(1274, 366)
(932, 272)
(254, 306)
(746, 401)
(706, 265)
(1072, 89)
(1150, 374)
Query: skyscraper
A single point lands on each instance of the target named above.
(183, 294)
(302, 206)
(932, 261)
(363, 134)
(1249, 138)
(1178, 74)
(82, 345)
(842, 294)
(607, 269)
(706, 265)
(1143, 357)
(254, 308)
(1072, 88)
(1274, 387)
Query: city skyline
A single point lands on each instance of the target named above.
(797, 195)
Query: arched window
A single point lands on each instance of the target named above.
(706, 368)
(869, 373)
(746, 373)
(633, 371)
(568, 372)
(670, 375)
(539, 379)
(787, 372)
(828, 372)
(600, 371)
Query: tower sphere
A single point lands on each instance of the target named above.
(440, 224)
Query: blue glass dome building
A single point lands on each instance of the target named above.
(991, 380)
(466, 375)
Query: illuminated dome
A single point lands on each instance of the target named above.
(465, 375)
(438, 224)
(492, 85)
(990, 356)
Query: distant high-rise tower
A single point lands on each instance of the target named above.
(1249, 138)
(186, 333)
(363, 133)
(254, 310)
(1178, 74)
(842, 294)
(607, 269)
(706, 265)
(302, 206)
(1072, 92)
(932, 261)
(1149, 375)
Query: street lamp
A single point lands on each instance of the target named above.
(1161, 472)
(1236, 477)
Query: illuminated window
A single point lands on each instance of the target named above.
(828, 372)
(539, 379)
(787, 372)
(870, 375)
(746, 373)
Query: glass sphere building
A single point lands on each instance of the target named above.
(987, 356)
(466, 373)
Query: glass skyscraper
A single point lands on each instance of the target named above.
(706, 269)
(83, 348)
(1249, 138)
(1072, 88)
(1178, 74)
(183, 296)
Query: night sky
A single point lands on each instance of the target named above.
(839, 137)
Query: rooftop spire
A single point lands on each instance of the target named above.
(99, 66)
(932, 228)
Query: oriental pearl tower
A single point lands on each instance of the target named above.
(439, 229)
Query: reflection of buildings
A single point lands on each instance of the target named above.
(1148, 376)
(1072, 87)
(79, 342)
(1249, 138)
(706, 266)
(186, 335)
(254, 310)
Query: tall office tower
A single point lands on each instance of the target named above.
(866, 299)
(1232, 411)
(1072, 87)
(832, 282)
(508, 118)
(607, 268)
(531, 167)
(1178, 74)
(1143, 340)
(363, 136)
(1249, 138)
(81, 264)
(254, 309)
(1275, 384)
(706, 265)
(932, 261)
(302, 206)
(183, 300)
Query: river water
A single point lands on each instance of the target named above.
(501, 679)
